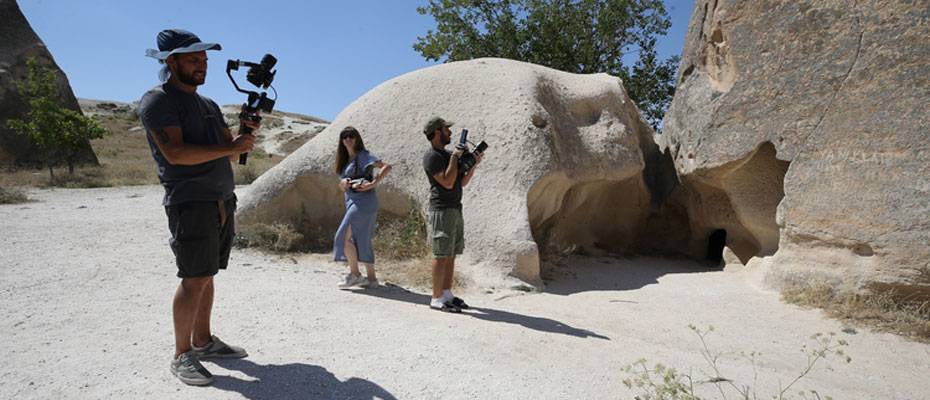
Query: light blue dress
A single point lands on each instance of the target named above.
(361, 212)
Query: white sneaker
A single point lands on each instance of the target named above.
(371, 284)
(352, 281)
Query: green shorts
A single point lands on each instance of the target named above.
(447, 229)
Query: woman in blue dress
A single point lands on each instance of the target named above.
(353, 241)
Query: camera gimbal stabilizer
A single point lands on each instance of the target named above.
(261, 76)
(468, 159)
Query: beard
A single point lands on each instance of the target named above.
(446, 139)
(192, 78)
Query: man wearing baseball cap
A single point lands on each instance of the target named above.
(447, 227)
(193, 148)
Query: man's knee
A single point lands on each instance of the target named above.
(196, 284)
(443, 262)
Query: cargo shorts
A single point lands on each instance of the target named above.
(447, 229)
(201, 236)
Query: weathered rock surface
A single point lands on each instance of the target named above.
(564, 170)
(801, 128)
(282, 132)
(18, 42)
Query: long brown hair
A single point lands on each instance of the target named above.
(342, 153)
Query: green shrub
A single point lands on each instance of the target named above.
(60, 133)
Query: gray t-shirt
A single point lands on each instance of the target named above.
(434, 162)
(202, 123)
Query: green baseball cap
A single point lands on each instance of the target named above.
(434, 124)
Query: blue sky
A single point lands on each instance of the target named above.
(329, 52)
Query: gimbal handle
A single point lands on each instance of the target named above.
(247, 130)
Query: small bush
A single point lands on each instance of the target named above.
(276, 237)
(317, 239)
(401, 238)
(664, 383)
(13, 196)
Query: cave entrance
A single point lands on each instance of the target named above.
(715, 244)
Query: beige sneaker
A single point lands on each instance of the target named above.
(218, 349)
(190, 371)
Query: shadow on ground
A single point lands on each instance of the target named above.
(294, 381)
(572, 275)
(392, 292)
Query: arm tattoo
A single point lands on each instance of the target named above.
(162, 136)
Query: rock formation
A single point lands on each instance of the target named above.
(18, 42)
(800, 130)
(564, 171)
(797, 141)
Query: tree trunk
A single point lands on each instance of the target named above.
(49, 163)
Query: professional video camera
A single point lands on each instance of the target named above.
(261, 76)
(468, 160)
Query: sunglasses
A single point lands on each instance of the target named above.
(344, 137)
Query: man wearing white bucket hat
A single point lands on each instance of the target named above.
(192, 147)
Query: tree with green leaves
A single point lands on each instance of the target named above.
(60, 133)
(579, 36)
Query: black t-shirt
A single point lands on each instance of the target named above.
(201, 122)
(434, 162)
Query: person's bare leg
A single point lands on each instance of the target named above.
(448, 275)
(439, 268)
(184, 308)
(370, 270)
(351, 253)
(202, 331)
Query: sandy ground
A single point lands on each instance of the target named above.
(87, 281)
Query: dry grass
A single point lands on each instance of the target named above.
(259, 161)
(401, 246)
(275, 238)
(283, 238)
(13, 196)
(885, 310)
(414, 273)
(401, 237)
(403, 251)
(125, 160)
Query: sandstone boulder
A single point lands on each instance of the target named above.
(800, 128)
(564, 171)
(18, 42)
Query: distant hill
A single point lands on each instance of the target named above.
(126, 159)
(282, 132)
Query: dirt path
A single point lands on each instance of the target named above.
(87, 280)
